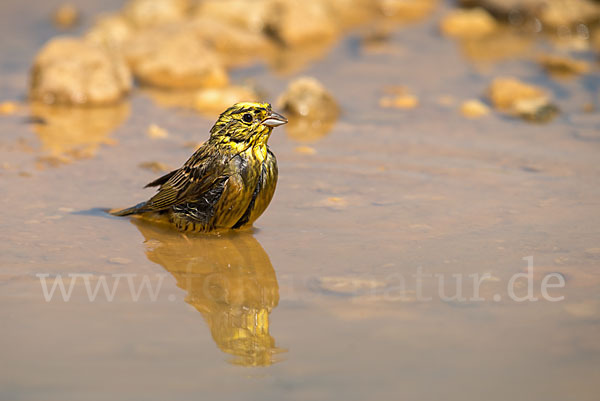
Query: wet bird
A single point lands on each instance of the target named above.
(228, 182)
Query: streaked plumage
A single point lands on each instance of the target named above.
(228, 182)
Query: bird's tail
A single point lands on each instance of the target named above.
(137, 209)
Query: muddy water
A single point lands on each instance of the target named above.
(336, 293)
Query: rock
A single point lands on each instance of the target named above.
(174, 57)
(502, 45)
(119, 261)
(310, 108)
(563, 66)
(398, 97)
(474, 109)
(506, 91)
(215, 100)
(595, 38)
(517, 98)
(350, 13)
(111, 30)
(377, 38)
(307, 97)
(156, 132)
(151, 13)
(305, 150)
(558, 13)
(468, 23)
(251, 17)
(535, 110)
(333, 202)
(66, 16)
(234, 45)
(72, 71)
(406, 10)
(296, 22)
(551, 13)
(570, 41)
(404, 101)
(7, 108)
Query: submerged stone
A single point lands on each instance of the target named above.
(474, 109)
(468, 23)
(563, 66)
(517, 98)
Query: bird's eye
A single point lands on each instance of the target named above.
(247, 118)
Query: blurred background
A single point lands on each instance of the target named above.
(451, 138)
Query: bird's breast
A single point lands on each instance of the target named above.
(259, 153)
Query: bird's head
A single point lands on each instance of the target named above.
(246, 124)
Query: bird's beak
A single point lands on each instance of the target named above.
(274, 120)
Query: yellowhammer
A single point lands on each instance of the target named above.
(228, 182)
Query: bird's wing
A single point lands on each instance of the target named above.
(161, 180)
(196, 176)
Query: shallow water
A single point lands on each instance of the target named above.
(323, 293)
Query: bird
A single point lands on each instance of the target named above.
(229, 180)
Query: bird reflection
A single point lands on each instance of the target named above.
(229, 279)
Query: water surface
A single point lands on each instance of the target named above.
(311, 304)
